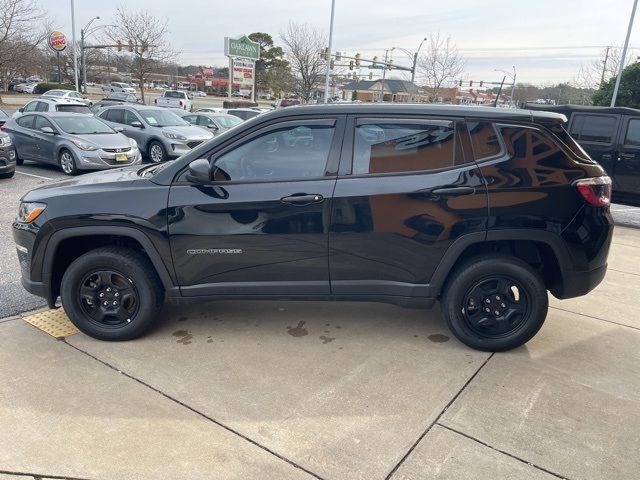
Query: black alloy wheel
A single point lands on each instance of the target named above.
(108, 298)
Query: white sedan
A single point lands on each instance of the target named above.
(67, 95)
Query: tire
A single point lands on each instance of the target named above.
(67, 163)
(157, 152)
(19, 161)
(513, 293)
(8, 174)
(135, 290)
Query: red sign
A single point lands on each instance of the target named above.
(57, 41)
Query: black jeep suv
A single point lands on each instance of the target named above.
(483, 209)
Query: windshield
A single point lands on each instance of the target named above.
(162, 118)
(77, 125)
(73, 109)
(3, 114)
(54, 93)
(227, 121)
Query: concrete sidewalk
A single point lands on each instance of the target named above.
(331, 391)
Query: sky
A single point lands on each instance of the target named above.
(546, 40)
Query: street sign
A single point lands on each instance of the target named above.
(376, 67)
(57, 41)
(241, 47)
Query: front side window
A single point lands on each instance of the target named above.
(632, 138)
(115, 115)
(403, 147)
(31, 106)
(593, 128)
(291, 152)
(130, 117)
(41, 122)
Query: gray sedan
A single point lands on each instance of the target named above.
(71, 140)
(160, 133)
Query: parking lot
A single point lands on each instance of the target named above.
(331, 391)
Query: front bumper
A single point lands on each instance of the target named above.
(7, 159)
(176, 148)
(103, 160)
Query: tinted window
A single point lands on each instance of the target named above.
(115, 115)
(286, 153)
(593, 128)
(394, 148)
(484, 140)
(633, 133)
(529, 144)
(26, 121)
(130, 117)
(73, 109)
(41, 122)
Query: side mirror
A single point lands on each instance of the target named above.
(212, 126)
(21, 110)
(136, 124)
(48, 130)
(199, 171)
(119, 129)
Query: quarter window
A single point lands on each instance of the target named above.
(286, 153)
(403, 147)
(593, 128)
(26, 121)
(484, 140)
(633, 133)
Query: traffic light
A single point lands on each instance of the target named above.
(325, 54)
(355, 76)
(370, 75)
(481, 82)
(389, 65)
(332, 64)
(119, 45)
(460, 82)
(375, 62)
(131, 45)
(357, 59)
(471, 83)
(351, 65)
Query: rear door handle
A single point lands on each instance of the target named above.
(626, 156)
(300, 200)
(446, 191)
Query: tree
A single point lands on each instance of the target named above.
(150, 45)
(594, 74)
(440, 63)
(629, 92)
(272, 70)
(303, 47)
(20, 37)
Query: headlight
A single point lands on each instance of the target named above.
(174, 136)
(29, 211)
(82, 145)
(5, 141)
(133, 143)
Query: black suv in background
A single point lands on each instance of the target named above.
(480, 208)
(611, 136)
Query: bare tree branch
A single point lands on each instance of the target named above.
(303, 45)
(440, 63)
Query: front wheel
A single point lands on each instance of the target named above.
(68, 163)
(111, 293)
(157, 153)
(495, 303)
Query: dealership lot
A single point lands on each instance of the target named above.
(299, 390)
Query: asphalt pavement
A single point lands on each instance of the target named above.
(14, 299)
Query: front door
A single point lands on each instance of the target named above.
(261, 226)
(408, 193)
(627, 169)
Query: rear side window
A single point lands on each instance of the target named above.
(115, 115)
(632, 138)
(594, 128)
(529, 144)
(484, 140)
(403, 147)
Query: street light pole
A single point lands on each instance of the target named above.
(513, 86)
(326, 79)
(384, 74)
(75, 46)
(624, 54)
(83, 33)
(415, 60)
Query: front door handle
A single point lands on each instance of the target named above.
(446, 191)
(302, 199)
(626, 156)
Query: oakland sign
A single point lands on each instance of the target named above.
(241, 48)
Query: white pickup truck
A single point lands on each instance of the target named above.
(175, 99)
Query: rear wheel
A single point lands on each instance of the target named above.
(19, 161)
(67, 163)
(157, 153)
(112, 293)
(495, 303)
(7, 174)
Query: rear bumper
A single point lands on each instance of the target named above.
(577, 284)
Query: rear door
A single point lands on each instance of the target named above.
(597, 134)
(406, 190)
(627, 168)
(44, 144)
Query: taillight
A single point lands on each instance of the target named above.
(596, 191)
(180, 102)
(155, 100)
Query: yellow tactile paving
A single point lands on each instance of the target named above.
(54, 322)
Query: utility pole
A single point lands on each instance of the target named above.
(326, 79)
(624, 54)
(384, 74)
(604, 66)
(513, 87)
(75, 46)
